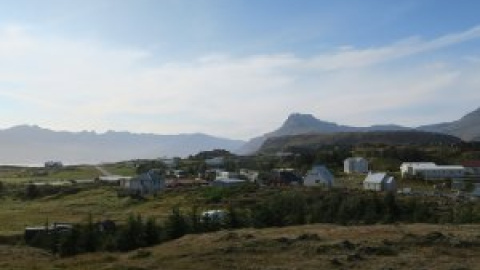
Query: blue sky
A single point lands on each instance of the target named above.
(235, 68)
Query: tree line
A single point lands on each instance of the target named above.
(285, 208)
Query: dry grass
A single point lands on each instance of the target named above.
(300, 247)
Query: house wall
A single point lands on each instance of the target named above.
(390, 185)
(472, 170)
(144, 184)
(318, 176)
(372, 186)
(431, 171)
(440, 173)
(316, 180)
(355, 165)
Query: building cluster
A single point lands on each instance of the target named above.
(53, 164)
(319, 175)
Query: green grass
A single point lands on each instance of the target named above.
(24, 175)
(100, 202)
(120, 169)
(350, 181)
(74, 173)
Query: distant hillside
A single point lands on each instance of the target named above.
(35, 145)
(466, 128)
(284, 143)
(306, 124)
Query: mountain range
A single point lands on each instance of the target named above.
(467, 128)
(34, 145)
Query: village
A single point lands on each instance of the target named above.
(147, 178)
(456, 180)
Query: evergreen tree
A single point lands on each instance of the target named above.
(233, 220)
(69, 243)
(132, 235)
(90, 236)
(152, 232)
(31, 191)
(176, 226)
(391, 208)
(195, 221)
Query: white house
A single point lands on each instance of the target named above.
(318, 176)
(113, 179)
(226, 175)
(355, 165)
(431, 171)
(379, 182)
(146, 183)
(214, 215)
(179, 174)
(251, 175)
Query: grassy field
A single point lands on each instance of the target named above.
(416, 246)
(19, 175)
(120, 169)
(101, 202)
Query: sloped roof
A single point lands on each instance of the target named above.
(355, 159)
(389, 180)
(375, 178)
(322, 171)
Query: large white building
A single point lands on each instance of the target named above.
(379, 182)
(355, 165)
(318, 176)
(431, 171)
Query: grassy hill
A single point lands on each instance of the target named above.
(416, 246)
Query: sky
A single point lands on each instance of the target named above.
(235, 68)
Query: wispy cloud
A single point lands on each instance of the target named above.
(349, 57)
(84, 84)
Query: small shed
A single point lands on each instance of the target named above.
(57, 227)
(379, 182)
(214, 215)
(318, 176)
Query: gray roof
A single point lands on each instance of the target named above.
(375, 178)
(228, 180)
